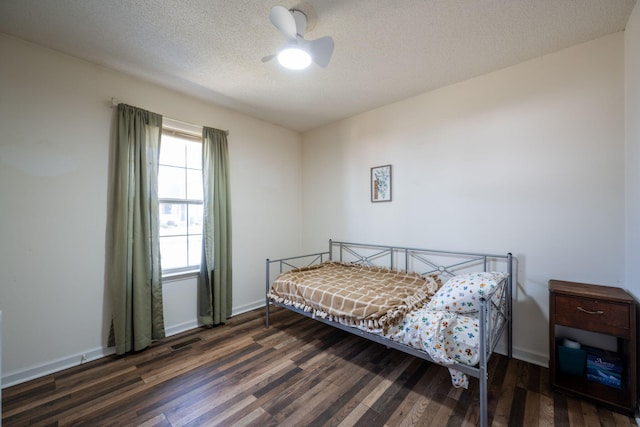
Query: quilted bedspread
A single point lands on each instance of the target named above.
(354, 294)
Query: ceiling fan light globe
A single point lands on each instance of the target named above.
(294, 58)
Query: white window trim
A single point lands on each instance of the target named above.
(181, 127)
(189, 130)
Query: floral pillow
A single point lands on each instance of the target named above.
(461, 294)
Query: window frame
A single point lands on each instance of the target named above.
(193, 133)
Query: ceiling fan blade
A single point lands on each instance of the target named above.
(321, 50)
(284, 21)
(301, 22)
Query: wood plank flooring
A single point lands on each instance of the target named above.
(296, 373)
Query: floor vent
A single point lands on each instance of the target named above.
(184, 344)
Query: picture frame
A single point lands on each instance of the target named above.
(381, 183)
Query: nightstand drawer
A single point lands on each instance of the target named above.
(598, 316)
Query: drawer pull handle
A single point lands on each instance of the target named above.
(590, 312)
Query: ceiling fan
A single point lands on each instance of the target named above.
(298, 53)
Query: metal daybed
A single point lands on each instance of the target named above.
(453, 294)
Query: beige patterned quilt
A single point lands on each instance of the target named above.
(354, 294)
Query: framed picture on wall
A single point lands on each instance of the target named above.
(381, 183)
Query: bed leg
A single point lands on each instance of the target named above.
(266, 326)
(510, 305)
(485, 306)
(266, 297)
(484, 396)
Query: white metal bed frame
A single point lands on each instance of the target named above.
(447, 263)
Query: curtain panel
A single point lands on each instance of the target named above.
(215, 279)
(133, 273)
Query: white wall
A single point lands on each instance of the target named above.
(55, 122)
(528, 159)
(632, 137)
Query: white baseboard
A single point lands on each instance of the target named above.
(78, 359)
(55, 366)
(182, 327)
(247, 307)
(90, 355)
(524, 355)
(531, 357)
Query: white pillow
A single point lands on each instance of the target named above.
(461, 294)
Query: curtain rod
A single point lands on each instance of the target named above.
(115, 102)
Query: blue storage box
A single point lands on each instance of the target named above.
(604, 367)
(571, 360)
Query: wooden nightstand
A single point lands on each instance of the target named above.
(597, 309)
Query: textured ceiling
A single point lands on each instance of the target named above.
(385, 50)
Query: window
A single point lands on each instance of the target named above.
(180, 197)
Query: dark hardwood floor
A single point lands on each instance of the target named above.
(298, 373)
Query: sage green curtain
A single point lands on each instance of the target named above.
(214, 281)
(134, 275)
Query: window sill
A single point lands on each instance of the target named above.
(179, 275)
